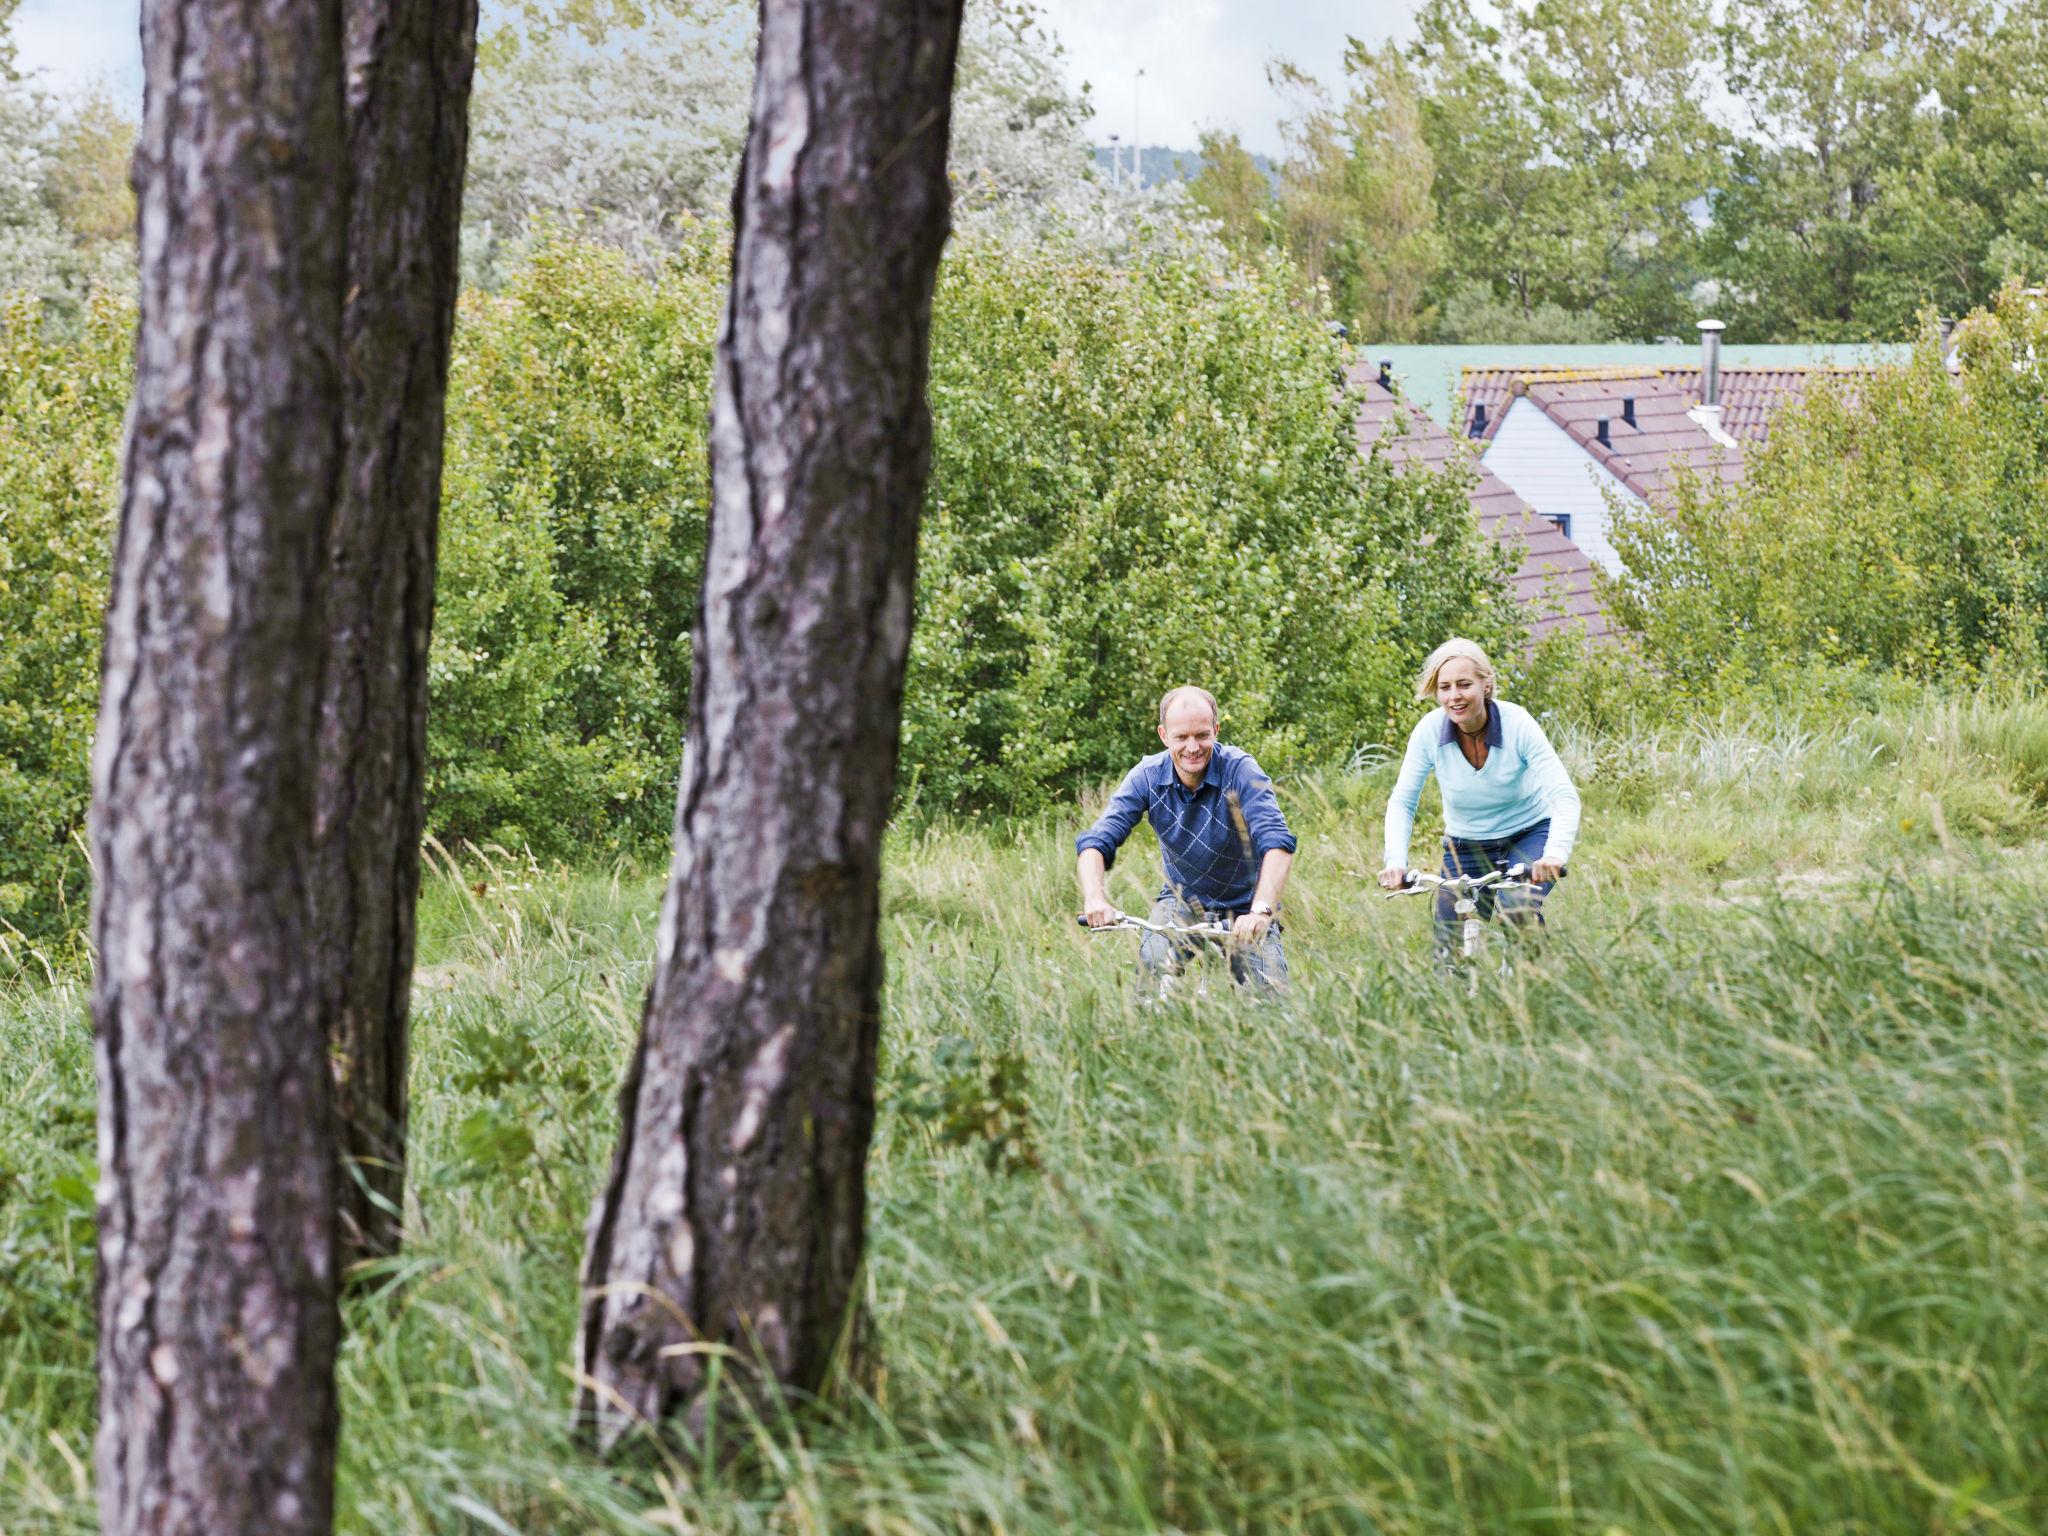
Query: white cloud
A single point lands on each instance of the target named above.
(1205, 60)
(68, 44)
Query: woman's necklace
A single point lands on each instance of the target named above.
(1473, 743)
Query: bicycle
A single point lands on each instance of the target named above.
(1465, 891)
(1219, 932)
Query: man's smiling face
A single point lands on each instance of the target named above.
(1189, 731)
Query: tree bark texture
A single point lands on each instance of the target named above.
(217, 1171)
(735, 1211)
(409, 64)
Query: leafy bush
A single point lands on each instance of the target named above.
(60, 414)
(1897, 529)
(1139, 478)
(572, 534)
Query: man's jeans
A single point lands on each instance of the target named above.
(1479, 856)
(1261, 966)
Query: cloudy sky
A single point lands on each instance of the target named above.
(68, 43)
(1204, 60)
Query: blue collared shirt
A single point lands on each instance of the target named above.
(1212, 838)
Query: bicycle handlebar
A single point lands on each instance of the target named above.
(1126, 922)
(1421, 882)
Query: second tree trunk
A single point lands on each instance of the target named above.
(409, 64)
(734, 1217)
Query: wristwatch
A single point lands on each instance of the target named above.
(1262, 909)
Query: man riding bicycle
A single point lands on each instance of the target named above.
(1225, 846)
(1507, 798)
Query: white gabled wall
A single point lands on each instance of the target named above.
(1542, 465)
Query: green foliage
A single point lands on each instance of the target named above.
(1141, 479)
(60, 413)
(1900, 531)
(1475, 314)
(1137, 478)
(1570, 144)
(572, 535)
(1846, 119)
(1231, 189)
(86, 180)
(1356, 204)
(1885, 155)
(966, 1102)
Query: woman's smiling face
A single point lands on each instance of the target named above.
(1460, 692)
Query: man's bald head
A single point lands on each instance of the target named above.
(1186, 693)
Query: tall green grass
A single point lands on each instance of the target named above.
(1727, 1213)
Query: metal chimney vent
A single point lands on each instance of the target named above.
(1628, 409)
(1386, 373)
(1710, 363)
(1601, 433)
(1479, 419)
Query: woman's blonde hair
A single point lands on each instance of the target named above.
(1425, 684)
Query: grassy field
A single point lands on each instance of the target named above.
(1727, 1214)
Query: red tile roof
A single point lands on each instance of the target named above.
(1648, 455)
(1750, 397)
(1553, 578)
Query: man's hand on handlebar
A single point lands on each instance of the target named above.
(1393, 878)
(1251, 927)
(1546, 872)
(1099, 913)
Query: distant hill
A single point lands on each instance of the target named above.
(1162, 164)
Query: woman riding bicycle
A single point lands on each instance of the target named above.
(1507, 798)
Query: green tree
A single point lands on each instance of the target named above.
(1355, 206)
(1504, 207)
(1619, 88)
(572, 535)
(1137, 478)
(1389, 175)
(1233, 191)
(1137, 473)
(85, 182)
(1840, 99)
(60, 415)
(1317, 220)
(1571, 150)
(1968, 209)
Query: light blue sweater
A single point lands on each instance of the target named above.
(1522, 783)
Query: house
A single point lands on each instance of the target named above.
(1553, 577)
(1572, 442)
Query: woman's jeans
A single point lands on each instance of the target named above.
(1479, 856)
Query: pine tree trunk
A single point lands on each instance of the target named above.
(735, 1212)
(409, 65)
(217, 1169)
